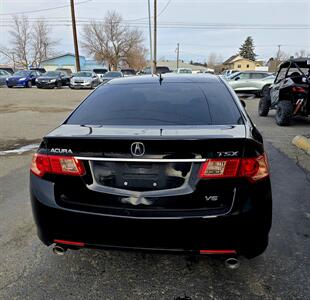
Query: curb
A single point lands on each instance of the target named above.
(302, 142)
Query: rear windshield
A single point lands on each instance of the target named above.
(154, 104)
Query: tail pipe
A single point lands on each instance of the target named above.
(59, 250)
(232, 263)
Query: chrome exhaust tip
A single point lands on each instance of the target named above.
(232, 263)
(58, 250)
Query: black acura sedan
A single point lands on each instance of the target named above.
(52, 79)
(169, 163)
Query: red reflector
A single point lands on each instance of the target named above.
(217, 251)
(298, 89)
(80, 244)
(64, 165)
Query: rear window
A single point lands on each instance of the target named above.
(154, 104)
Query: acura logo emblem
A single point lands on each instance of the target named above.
(137, 149)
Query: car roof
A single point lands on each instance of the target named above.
(170, 78)
(301, 62)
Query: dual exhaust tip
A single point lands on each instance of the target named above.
(59, 250)
(231, 263)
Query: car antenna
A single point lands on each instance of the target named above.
(160, 78)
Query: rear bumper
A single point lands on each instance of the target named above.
(46, 84)
(234, 231)
(80, 85)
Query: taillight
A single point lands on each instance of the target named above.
(63, 165)
(254, 168)
(220, 168)
(298, 89)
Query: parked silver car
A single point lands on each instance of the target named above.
(251, 81)
(84, 79)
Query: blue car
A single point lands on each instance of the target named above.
(23, 78)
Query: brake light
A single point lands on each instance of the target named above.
(63, 165)
(298, 89)
(220, 168)
(254, 168)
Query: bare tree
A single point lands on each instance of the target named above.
(41, 43)
(302, 53)
(112, 42)
(281, 56)
(214, 59)
(30, 43)
(20, 40)
(136, 58)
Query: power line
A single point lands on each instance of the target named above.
(159, 14)
(163, 10)
(189, 25)
(43, 9)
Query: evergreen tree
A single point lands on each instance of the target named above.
(247, 49)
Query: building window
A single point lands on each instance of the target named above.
(247, 66)
(239, 66)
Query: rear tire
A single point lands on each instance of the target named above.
(264, 105)
(10, 86)
(284, 113)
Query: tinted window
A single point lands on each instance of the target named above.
(223, 109)
(22, 73)
(83, 74)
(162, 70)
(100, 71)
(154, 104)
(51, 73)
(113, 74)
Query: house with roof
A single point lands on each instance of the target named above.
(67, 61)
(237, 62)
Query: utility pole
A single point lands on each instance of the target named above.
(155, 36)
(76, 47)
(178, 53)
(279, 52)
(150, 34)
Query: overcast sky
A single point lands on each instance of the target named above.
(200, 26)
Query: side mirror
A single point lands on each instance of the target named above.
(237, 78)
(243, 103)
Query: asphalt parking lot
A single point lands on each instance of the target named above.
(29, 270)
